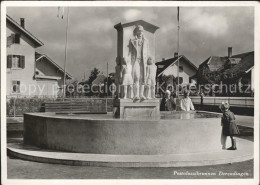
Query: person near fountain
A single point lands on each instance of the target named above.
(118, 77)
(229, 126)
(186, 103)
(173, 98)
(166, 102)
(138, 52)
(127, 80)
(163, 103)
(150, 78)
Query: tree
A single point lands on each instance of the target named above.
(93, 75)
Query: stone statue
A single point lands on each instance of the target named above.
(151, 78)
(127, 80)
(118, 76)
(138, 52)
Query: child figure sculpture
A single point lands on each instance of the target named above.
(127, 81)
(151, 78)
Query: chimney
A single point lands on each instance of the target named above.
(163, 59)
(22, 22)
(229, 52)
(175, 54)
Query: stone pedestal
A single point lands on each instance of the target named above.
(144, 109)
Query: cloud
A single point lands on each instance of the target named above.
(92, 40)
(168, 27)
(94, 25)
(132, 14)
(212, 24)
(140, 13)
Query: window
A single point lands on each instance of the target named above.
(16, 86)
(180, 68)
(180, 80)
(15, 61)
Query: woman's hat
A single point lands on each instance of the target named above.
(224, 106)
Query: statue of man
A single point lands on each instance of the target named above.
(138, 52)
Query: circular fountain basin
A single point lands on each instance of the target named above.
(173, 133)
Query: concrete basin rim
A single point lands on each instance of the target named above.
(54, 116)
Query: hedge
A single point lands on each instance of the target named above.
(19, 106)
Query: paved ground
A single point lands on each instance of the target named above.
(247, 121)
(19, 169)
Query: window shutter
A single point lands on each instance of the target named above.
(22, 62)
(10, 40)
(9, 61)
(13, 38)
(17, 38)
(14, 86)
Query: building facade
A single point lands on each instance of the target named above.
(234, 72)
(170, 67)
(28, 72)
(49, 75)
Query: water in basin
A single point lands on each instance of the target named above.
(163, 116)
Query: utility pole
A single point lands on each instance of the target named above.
(66, 43)
(107, 87)
(107, 80)
(178, 62)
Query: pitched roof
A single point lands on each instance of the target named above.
(217, 63)
(246, 63)
(163, 65)
(34, 39)
(242, 55)
(99, 80)
(214, 62)
(38, 56)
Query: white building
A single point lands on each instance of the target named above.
(29, 73)
(170, 67)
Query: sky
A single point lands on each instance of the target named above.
(92, 39)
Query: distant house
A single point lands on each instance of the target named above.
(29, 73)
(170, 67)
(232, 69)
(49, 74)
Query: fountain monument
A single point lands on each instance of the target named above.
(136, 71)
(152, 139)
